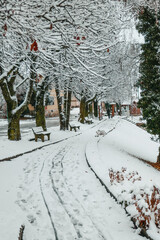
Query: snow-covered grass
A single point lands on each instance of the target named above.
(115, 160)
(3, 122)
(136, 119)
(134, 141)
(18, 147)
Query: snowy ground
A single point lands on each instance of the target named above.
(54, 193)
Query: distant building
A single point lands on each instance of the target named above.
(134, 110)
(51, 110)
(125, 109)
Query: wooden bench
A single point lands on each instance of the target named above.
(40, 133)
(74, 126)
(88, 120)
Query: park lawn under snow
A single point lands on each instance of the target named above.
(12, 148)
(52, 191)
(114, 158)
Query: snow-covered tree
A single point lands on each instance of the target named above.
(15, 55)
(63, 37)
(82, 31)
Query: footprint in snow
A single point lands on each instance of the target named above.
(31, 219)
(38, 212)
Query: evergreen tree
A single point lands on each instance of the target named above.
(149, 81)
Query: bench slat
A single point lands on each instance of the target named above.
(40, 133)
(74, 126)
(37, 129)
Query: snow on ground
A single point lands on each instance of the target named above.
(136, 119)
(3, 122)
(130, 179)
(75, 111)
(14, 148)
(134, 141)
(53, 192)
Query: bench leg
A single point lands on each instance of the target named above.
(48, 136)
(42, 138)
(35, 138)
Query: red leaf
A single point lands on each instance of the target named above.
(51, 26)
(34, 46)
(5, 27)
(107, 49)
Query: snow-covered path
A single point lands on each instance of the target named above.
(60, 198)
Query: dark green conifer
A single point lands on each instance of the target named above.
(149, 81)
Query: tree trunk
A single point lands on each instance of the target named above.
(12, 103)
(158, 158)
(14, 111)
(14, 128)
(65, 107)
(40, 111)
(68, 108)
(61, 115)
(82, 110)
(86, 109)
(90, 110)
(96, 108)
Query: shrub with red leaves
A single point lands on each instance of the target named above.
(147, 205)
(120, 176)
(152, 206)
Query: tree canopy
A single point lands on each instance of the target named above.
(149, 81)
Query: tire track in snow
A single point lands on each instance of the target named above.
(45, 202)
(59, 164)
(60, 184)
(74, 208)
(59, 217)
